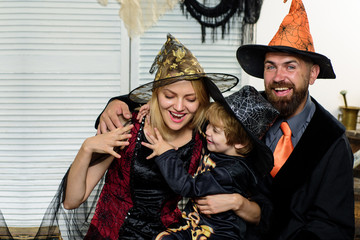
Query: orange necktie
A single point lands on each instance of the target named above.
(283, 148)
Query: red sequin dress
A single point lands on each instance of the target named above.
(136, 202)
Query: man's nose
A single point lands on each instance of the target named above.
(279, 75)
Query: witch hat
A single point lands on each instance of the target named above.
(175, 62)
(256, 115)
(293, 37)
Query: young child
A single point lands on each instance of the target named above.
(232, 163)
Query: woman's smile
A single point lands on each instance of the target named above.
(177, 117)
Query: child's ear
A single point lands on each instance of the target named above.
(239, 145)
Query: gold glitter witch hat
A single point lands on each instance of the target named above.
(175, 63)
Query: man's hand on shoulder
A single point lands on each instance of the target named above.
(115, 115)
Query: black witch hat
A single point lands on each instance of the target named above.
(256, 115)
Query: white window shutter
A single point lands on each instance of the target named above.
(60, 62)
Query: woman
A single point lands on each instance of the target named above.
(136, 202)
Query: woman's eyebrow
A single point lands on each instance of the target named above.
(174, 92)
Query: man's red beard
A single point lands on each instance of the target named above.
(289, 104)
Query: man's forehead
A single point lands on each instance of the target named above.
(281, 56)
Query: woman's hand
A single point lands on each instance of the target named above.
(156, 143)
(82, 178)
(115, 115)
(105, 143)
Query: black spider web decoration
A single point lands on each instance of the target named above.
(246, 12)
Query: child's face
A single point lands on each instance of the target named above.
(217, 142)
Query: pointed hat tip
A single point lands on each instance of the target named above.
(294, 31)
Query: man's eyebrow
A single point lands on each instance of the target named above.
(287, 62)
(291, 61)
(268, 61)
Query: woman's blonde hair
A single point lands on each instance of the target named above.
(234, 131)
(202, 95)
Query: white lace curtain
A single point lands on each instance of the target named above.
(139, 15)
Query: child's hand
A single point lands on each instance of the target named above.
(144, 111)
(157, 144)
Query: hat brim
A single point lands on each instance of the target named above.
(251, 58)
(262, 154)
(223, 81)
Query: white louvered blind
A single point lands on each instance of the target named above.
(60, 62)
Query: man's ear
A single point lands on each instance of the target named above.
(314, 73)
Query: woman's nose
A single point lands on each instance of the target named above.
(179, 105)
